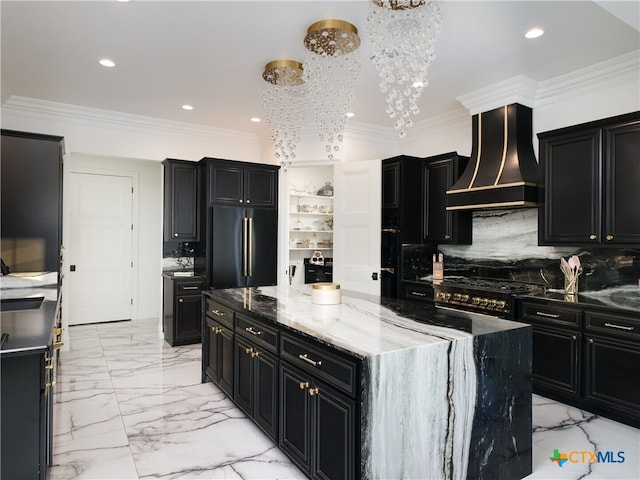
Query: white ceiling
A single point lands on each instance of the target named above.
(211, 54)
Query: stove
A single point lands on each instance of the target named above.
(482, 295)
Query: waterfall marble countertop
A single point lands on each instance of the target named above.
(442, 394)
(362, 325)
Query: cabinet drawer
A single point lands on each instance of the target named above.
(221, 313)
(257, 331)
(332, 368)
(613, 324)
(550, 314)
(188, 288)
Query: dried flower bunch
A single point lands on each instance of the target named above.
(571, 269)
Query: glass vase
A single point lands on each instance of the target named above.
(571, 284)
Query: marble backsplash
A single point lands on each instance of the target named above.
(505, 245)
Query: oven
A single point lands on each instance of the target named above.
(488, 296)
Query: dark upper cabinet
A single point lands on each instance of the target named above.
(439, 225)
(241, 183)
(401, 197)
(31, 203)
(181, 201)
(591, 174)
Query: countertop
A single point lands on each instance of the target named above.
(28, 330)
(625, 299)
(362, 325)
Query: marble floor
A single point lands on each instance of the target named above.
(128, 406)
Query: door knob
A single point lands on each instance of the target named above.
(374, 276)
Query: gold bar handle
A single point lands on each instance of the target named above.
(308, 360)
(419, 294)
(252, 331)
(244, 246)
(191, 288)
(549, 315)
(217, 312)
(250, 243)
(619, 327)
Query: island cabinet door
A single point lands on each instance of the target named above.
(265, 411)
(295, 415)
(243, 391)
(225, 381)
(333, 417)
(212, 349)
(556, 360)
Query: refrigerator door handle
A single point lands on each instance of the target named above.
(250, 243)
(244, 246)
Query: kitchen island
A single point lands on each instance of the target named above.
(375, 388)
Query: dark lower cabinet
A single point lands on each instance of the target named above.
(256, 384)
(26, 415)
(316, 425)
(218, 346)
(612, 375)
(182, 302)
(586, 357)
(557, 372)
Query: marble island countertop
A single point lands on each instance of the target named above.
(363, 325)
(442, 394)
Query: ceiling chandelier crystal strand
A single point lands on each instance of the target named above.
(403, 34)
(331, 72)
(283, 101)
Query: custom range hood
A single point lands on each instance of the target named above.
(502, 171)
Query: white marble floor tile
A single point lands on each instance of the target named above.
(128, 406)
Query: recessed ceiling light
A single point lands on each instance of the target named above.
(350, 114)
(105, 62)
(187, 107)
(534, 33)
(256, 120)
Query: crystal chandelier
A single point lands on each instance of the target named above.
(283, 100)
(403, 34)
(331, 71)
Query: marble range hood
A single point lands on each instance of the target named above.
(502, 171)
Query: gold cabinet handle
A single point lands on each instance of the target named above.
(51, 384)
(217, 312)
(590, 340)
(304, 385)
(217, 330)
(252, 331)
(314, 391)
(418, 294)
(308, 360)
(248, 350)
(255, 354)
(619, 327)
(593, 237)
(190, 288)
(573, 337)
(175, 234)
(180, 300)
(549, 315)
(609, 237)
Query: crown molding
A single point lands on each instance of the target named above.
(519, 89)
(36, 108)
(611, 73)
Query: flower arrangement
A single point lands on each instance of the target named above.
(571, 269)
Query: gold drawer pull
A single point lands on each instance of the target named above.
(252, 331)
(217, 330)
(51, 384)
(308, 360)
(419, 294)
(304, 385)
(549, 315)
(190, 288)
(248, 350)
(619, 327)
(314, 391)
(609, 237)
(593, 237)
(218, 312)
(255, 354)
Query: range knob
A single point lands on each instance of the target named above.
(457, 296)
(464, 297)
(476, 300)
(492, 303)
(501, 304)
(447, 296)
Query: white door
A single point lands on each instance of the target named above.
(100, 248)
(356, 240)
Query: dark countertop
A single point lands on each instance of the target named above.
(625, 299)
(28, 330)
(363, 325)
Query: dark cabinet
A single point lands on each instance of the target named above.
(441, 226)
(182, 303)
(243, 246)
(256, 372)
(218, 346)
(31, 203)
(318, 415)
(181, 201)
(242, 183)
(586, 357)
(590, 174)
(401, 197)
(317, 273)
